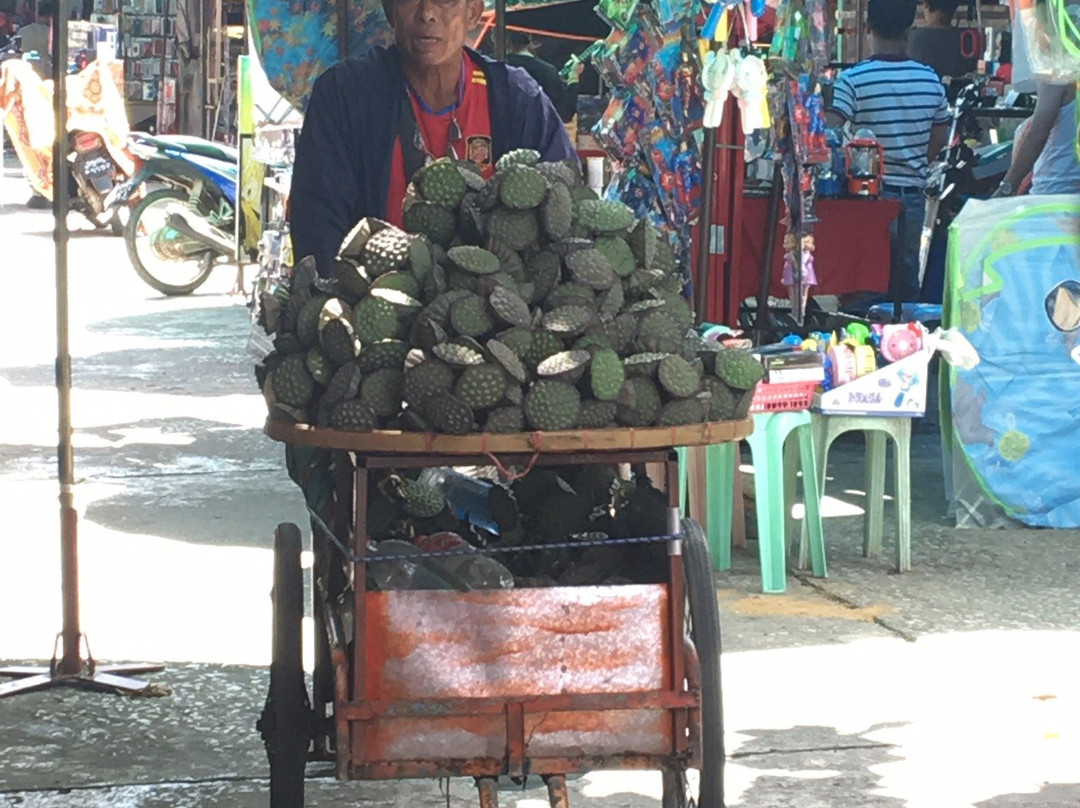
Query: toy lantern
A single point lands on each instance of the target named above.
(865, 164)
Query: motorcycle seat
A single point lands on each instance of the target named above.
(193, 145)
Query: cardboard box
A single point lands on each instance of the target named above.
(896, 389)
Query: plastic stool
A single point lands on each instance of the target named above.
(771, 431)
(877, 429)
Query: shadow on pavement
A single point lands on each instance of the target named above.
(1051, 795)
(816, 762)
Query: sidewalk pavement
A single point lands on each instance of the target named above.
(950, 686)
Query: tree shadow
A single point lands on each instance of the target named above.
(1051, 795)
(816, 766)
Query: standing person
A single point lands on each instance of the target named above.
(564, 96)
(940, 44)
(1046, 146)
(371, 123)
(903, 103)
(37, 36)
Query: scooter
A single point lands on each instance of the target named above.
(97, 159)
(186, 219)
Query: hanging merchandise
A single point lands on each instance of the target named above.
(652, 127)
(751, 83)
(798, 55)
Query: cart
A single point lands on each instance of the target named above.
(542, 682)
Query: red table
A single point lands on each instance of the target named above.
(852, 248)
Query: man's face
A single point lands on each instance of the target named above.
(431, 33)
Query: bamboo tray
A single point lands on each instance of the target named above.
(482, 443)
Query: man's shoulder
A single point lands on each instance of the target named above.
(378, 63)
(874, 69)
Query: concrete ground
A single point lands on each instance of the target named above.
(950, 686)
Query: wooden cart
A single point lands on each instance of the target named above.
(540, 682)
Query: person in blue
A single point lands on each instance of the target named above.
(362, 111)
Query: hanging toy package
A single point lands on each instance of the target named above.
(1050, 30)
(617, 13)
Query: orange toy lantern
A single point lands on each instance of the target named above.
(865, 164)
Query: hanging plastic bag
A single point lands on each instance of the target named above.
(1046, 36)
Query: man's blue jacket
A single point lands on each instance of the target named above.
(342, 168)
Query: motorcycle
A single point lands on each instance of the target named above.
(97, 156)
(185, 221)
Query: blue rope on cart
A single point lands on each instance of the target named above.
(518, 548)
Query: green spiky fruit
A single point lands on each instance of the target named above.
(374, 320)
(505, 419)
(618, 254)
(738, 369)
(307, 321)
(642, 241)
(517, 229)
(458, 355)
(559, 173)
(517, 340)
(338, 339)
(389, 353)
(353, 415)
(509, 307)
(293, 385)
(591, 268)
(642, 281)
(552, 405)
(386, 251)
(568, 319)
(665, 256)
(319, 366)
(441, 182)
(522, 187)
(431, 220)
(543, 345)
(469, 317)
(605, 216)
(481, 386)
(682, 412)
(351, 278)
(644, 364)
(606, 375)
(597, 415)
(424, 380)
(593, 342)
(508, 360)
(450, 415)
(721, 400)
(612, 301)
(421, 257)
(421, 500)
(543, 269)
(344, 384)
(558, 212)
(474, 260)
(679, 377)
(568, 366)
(571, 294)
(382, 391)
(517, 157)
(660, 332)
(400, 281)
(643, 405)
(622, 332)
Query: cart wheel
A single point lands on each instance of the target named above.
(706, 790)
(287, 720)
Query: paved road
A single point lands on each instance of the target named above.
(955, 685)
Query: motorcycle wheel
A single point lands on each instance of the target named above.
(174, 272)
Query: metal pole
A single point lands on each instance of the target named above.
(708, 181)
(763, 322)
(500, 29)
(70, 661)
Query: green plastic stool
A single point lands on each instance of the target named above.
(767, 442)
(877, 429)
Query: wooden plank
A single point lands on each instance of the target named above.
(600, 440)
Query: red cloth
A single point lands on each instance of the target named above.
(474, 122)
(851, 241)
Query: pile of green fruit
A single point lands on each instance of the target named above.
(518, 303)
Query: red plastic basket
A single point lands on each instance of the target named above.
(783, 396)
